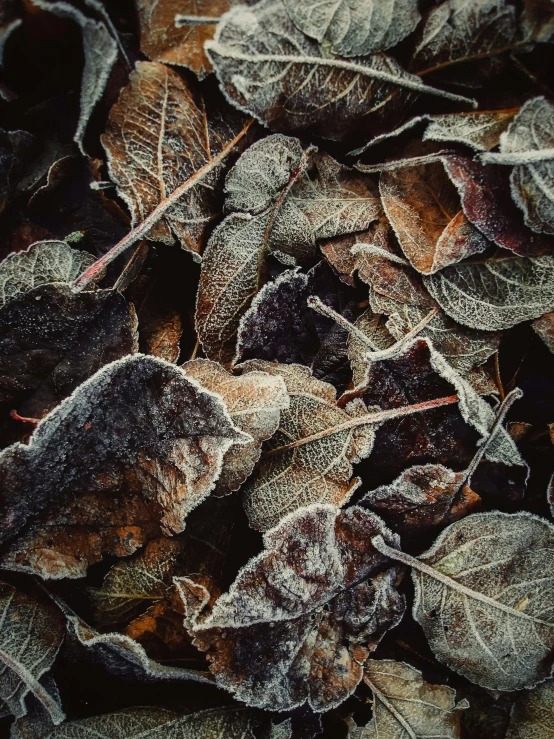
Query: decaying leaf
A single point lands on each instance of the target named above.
(163, 723)
(483, 597)
(533, 714)
(318, 470)
(100, 49)
(302, 617)
(355, 27)
(405, 706)
(160, 135)
(495, 294)
(270, 69)
(160, 329)
(41, 263)
(175, 32)
(31, 635)
(121, 461)
(254, 401)
(52, 340)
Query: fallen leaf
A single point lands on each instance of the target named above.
(355, 27)
(262, 61)
(533, 714)
(301, 617)
(254, 401)
(482, 595)
(160, 329)
(537, 21)
(495, 294)
(405, 706)
(52, 340)
(175, 32)
(121, 461)
(544, 327)
(32, 633)
(160, 134)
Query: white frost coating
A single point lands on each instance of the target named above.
(43, 262)
(502, 639)
(355, 27)
(100, 50)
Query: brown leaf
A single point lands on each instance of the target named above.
(158, 137)
(544, 327)
(160, 328)
(533, 714)
(123, 460)
(302, 617)
(175, 32)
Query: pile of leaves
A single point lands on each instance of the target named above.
(276, 369)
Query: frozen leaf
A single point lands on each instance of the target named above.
(174, 32)
(544, 327)
(529, 145)
(254, 401)
(160, 135)
(405, 706)
(301, 617)
(100, 49)
(266, 66)
(32, 633)
(484, 191)
(497, 293)
(162, 723)
(52, 340)
(424, 210)
(121, 461)
(483, 597)
(41, 263)
(355, 27)
(533, 714)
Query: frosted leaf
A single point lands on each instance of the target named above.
(405, 706)
(100, 49)
(544, 327)
(53, 339)
(121, 461)
(32, 633)
(254, 401)
(533, 714)
(281, 731)
(162, 723)
(42, 262)
(301, 617)
(159, 136)
(373, 326)
(424, 210)
(262, 61)
(481, 130)
(319, 471)
(495, 294)
(483, 598)
(355, 27)
(529, 137)
(174, 32)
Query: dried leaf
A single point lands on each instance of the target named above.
(32, 633)
(533, 714)
(495, 294)
(158, 137)
(483, 598)
(544, 327)
(52, 340)
(405, 706)
(160, 331)
(254, 402)
(100, 49)
(355, 27)
(162, 723)
(120, 462)
(179, 39)
(263, 61)
(302, 617)
(537, 20)
(424, 210)
(317, 471)
(41, 263)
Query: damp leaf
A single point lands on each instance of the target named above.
(483, 595)
(302, 616)
(122, 461)
(495, 294)
(355, 27)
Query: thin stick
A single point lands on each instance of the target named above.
(143, 228)
(498, 377)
